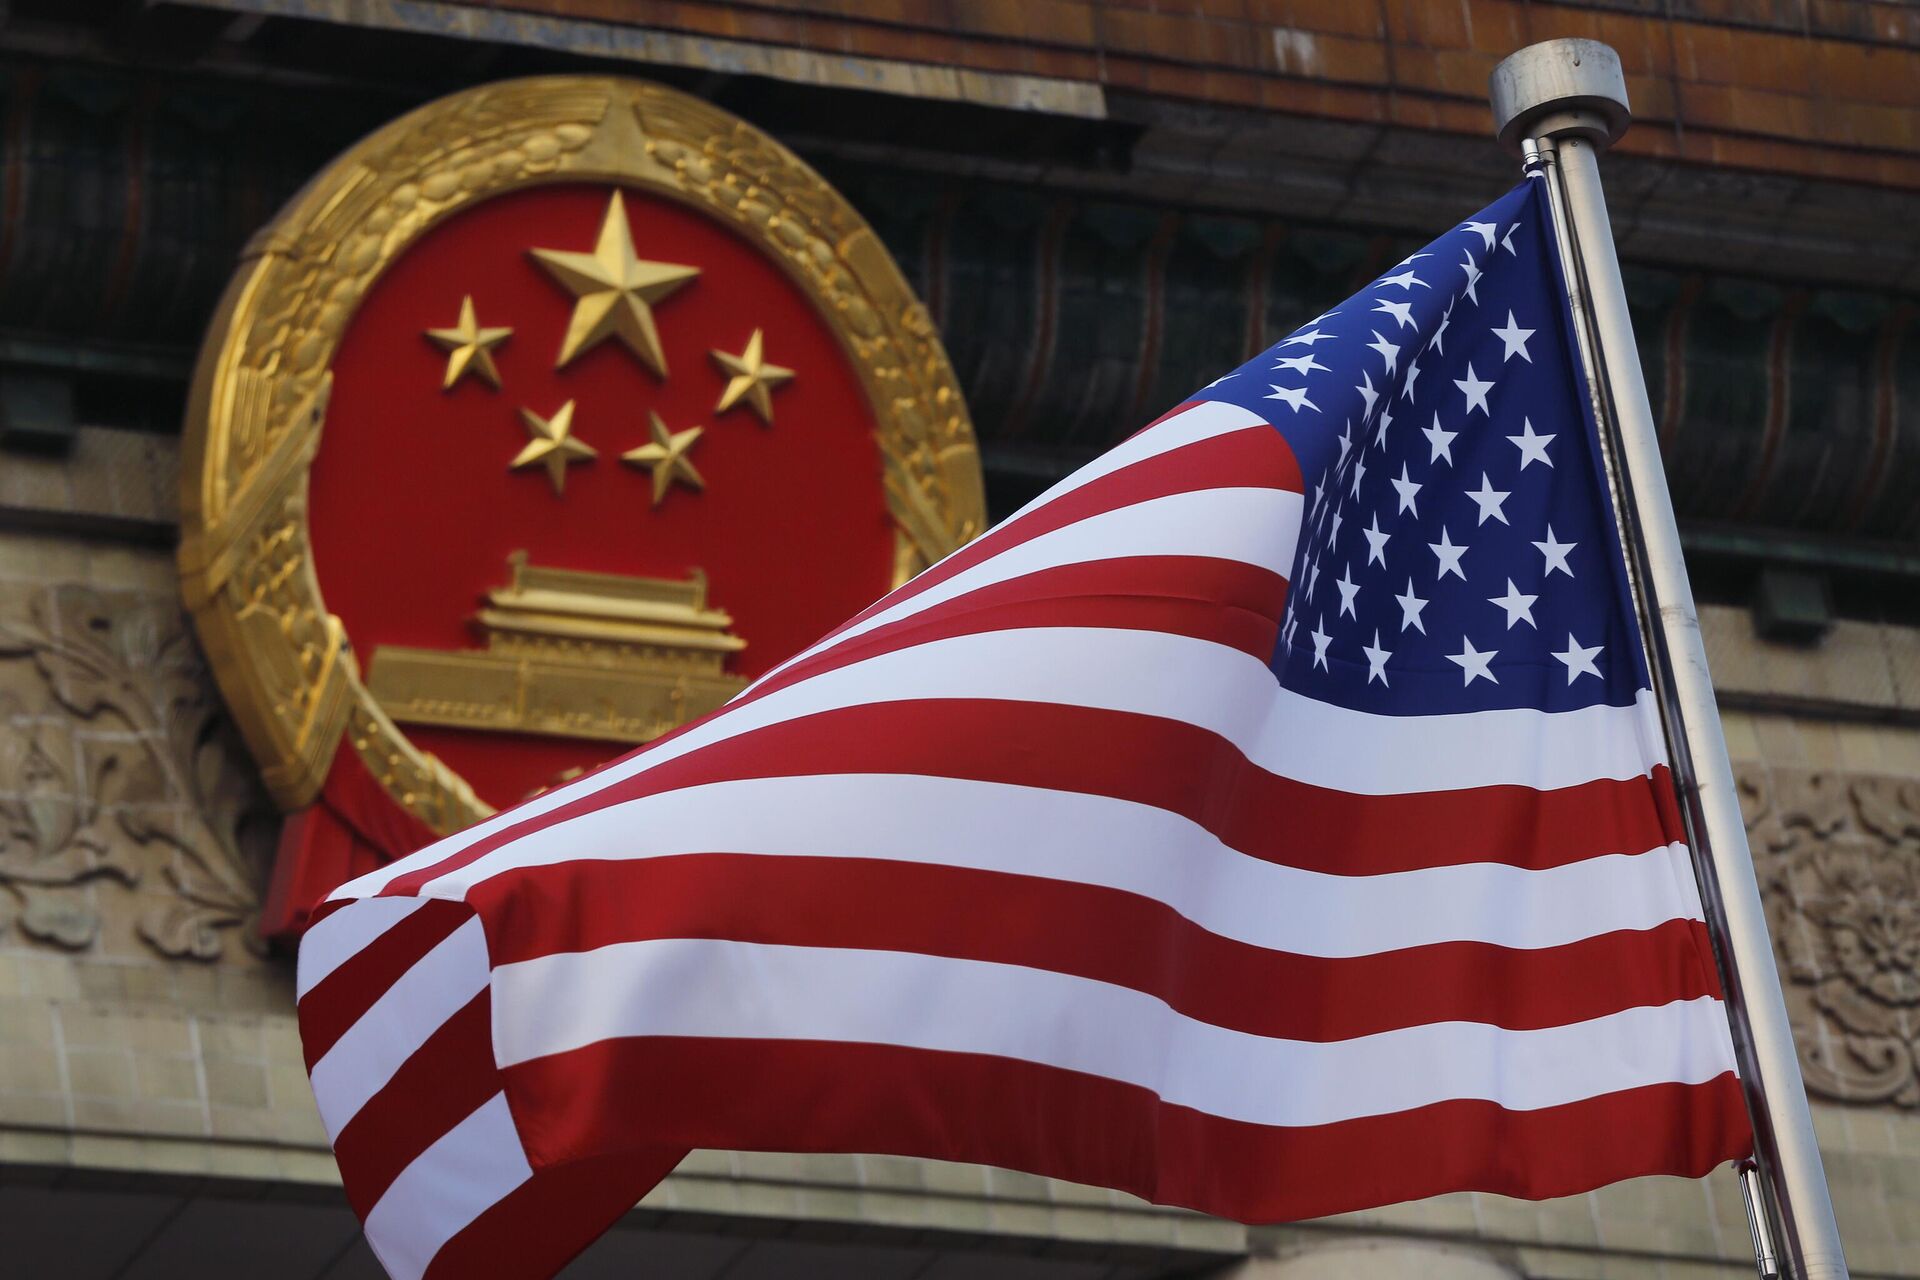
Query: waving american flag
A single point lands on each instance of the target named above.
(1272, 818)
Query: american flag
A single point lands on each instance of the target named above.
(1272, 818)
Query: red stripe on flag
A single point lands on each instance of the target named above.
(1164, 763)
(337, 1001)
(1253, 457)
(1148, 593)
(1090, 931)
(761, 1095)
(542, 1225)
(444, 1081)
(1228, 602)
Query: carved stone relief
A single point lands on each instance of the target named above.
(1839, 862)
(124, 794)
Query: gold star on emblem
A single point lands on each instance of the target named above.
(553, 445)
(469, 348)
(667, 456)
(613, 289)
(753, 379)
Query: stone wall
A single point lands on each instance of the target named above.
(135, 1008)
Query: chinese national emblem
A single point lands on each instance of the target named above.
(536, 426)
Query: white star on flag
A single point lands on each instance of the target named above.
(1556, 554)
(1473, 662)
(1532, 445)
(1475, 390)
(1376, 659)
(1514, 339)
(1519, 608)
(1300, 364)
(1489, 500)
(1293, 397)
(1449, 556)
(1367, 392)
(1473, 278)
(1407, 489)
(1348, 590)
(1401, 311)
(1376, 541)
(1380, 433)
(1579, 659)
(1388, 352)
(1441, 440)
(1410, 607)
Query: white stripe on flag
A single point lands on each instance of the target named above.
(1097, 840)
(1208, 685)
(735, 990)
(342, 936)
(472, 1167)
(365, 1057)
(1203, 421)
(1251, 526)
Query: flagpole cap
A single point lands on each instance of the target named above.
(1558, 88)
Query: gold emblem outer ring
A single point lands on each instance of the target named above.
(259, 396)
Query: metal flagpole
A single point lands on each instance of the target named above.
(1561, 103)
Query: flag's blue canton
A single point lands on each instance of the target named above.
(1458, 551)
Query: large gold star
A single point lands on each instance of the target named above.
(613, 290)
(667, 456)
(753, 379)
(469, 348)
(553, 445)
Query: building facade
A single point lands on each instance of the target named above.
(1101, 205)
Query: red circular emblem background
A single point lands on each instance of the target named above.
(414, 511)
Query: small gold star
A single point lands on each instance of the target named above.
(753, 379)
(469, 348)
(667, 456)
(613, 289)
(553, 445)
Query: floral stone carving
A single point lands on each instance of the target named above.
(1839, 861)
(119, 774)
